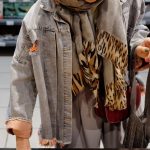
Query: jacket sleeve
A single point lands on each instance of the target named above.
(22, 89)
(139, 30)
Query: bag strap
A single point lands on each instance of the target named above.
(131, 65)
(133, 96)
(132, 79)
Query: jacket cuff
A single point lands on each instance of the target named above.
(20, 128)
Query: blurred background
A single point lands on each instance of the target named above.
(11, 15)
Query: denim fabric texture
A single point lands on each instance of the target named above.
(47, 72)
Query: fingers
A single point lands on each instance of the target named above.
(138, 62)
(142, 51)
(142, 68)
(143, 55)
(147, 59)
(146, 42)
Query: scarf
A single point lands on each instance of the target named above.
(99, 39)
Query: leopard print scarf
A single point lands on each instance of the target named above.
(98, 38)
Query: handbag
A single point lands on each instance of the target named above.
(137, 133)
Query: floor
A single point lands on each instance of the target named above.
(8, 141)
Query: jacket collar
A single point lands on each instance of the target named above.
(48, 5)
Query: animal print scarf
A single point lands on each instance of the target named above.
(98, 38)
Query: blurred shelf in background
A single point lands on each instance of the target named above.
(10, 22)
(11, 14)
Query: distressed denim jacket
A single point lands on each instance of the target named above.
(45, 69)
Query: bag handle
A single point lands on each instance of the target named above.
(133, 96)
(132, 79)
(131, 65)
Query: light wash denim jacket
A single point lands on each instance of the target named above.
(47, 70)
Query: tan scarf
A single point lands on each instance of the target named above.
(98, 39)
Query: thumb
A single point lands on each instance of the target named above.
(147, 59)
(142, 51)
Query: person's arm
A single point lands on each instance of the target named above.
(140, 31)
(139, 35)
(139, 42)
(140, 45)
(22, 89)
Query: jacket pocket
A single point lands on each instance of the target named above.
(44, 37)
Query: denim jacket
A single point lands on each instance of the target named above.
(45, 70)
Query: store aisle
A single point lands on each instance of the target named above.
(4, 96)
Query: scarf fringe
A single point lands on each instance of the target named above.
(50, 143)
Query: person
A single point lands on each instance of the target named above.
(64, 49)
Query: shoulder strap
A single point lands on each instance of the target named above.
(131, 64)
(133, 96)
(132, 79)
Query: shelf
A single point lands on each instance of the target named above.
(147, 2)
(146, 19)
(10, 22)
(11, 1)
(7, 43)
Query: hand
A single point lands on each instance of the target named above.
(143, 55)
